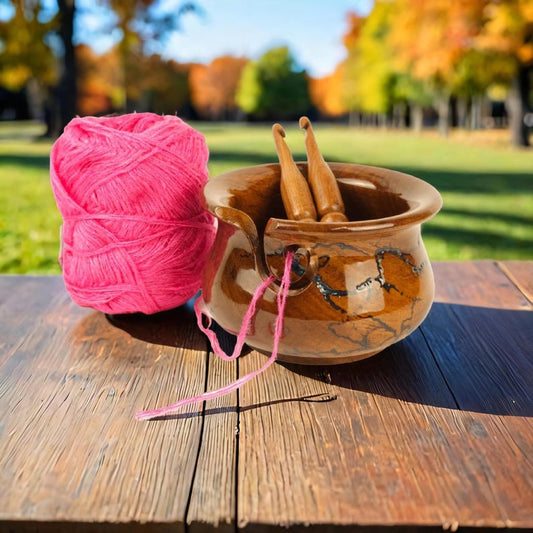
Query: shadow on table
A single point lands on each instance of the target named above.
(462, 357)
(168, 328)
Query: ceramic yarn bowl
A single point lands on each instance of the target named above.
(356, 287)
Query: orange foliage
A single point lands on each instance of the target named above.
(429, 38)
(99, 81)
(327, 93)
(213, 87)
(355, 24)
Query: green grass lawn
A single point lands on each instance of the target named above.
(486, 185)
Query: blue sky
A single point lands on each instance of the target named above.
(312, 29)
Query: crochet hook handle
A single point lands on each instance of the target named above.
(295, 193)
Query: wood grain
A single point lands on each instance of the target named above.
(485, 357)
(394, 448)
(435, 432)
(71, 448)
(213, 496)
(486, 361)
(521, 274)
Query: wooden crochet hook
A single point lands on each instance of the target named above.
(295, 193)
(325, 189)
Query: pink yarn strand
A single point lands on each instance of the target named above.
(278, 331)
(245, 325)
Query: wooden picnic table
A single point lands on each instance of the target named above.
(434, 432)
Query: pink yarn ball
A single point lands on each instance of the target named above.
(135, 235)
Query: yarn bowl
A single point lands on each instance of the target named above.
(356, 287)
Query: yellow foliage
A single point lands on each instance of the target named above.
(13, 78)
(509, 29)
(369, 69)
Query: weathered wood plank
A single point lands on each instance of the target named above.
(392, 449)
(213, 498)
(23, 299)
(476, 283)
(486, 361)
(71, 448)
(520, 273)
(486, 355)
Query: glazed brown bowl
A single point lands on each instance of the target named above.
(356, 287)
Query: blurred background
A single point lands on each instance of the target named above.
(442, 89)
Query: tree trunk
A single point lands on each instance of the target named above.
(475, 113)
(417, 117)
(443, 110)
(399, 111)
(35, 97)
(462, 111)
(518, 106)
(67, 91)
(354, 119)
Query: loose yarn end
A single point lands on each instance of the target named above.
(278, 330)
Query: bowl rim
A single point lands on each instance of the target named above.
(421, 208)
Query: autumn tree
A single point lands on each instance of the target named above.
(64, 105)
(369, 61)
(416, 94)
(163, 86)
(214, 87)
(430, 39)
(327, 93)
(143, 23)
(27, 59)
(273, 86)
(99, 81)
(350, 78)
(508, 34)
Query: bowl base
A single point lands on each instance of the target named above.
(316, 361)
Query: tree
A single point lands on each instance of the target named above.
(25, 49)
(474, 75)
(27, 57)
(143, 24)
(163, 86)
(350, 79)
(508, 34)
(368, 67)
(99, 81)
(214, 87)
(274, 86)
(327, 93)
(430, 39)
(416, 94)
(67, 89)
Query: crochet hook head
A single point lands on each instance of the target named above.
(325, 189)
